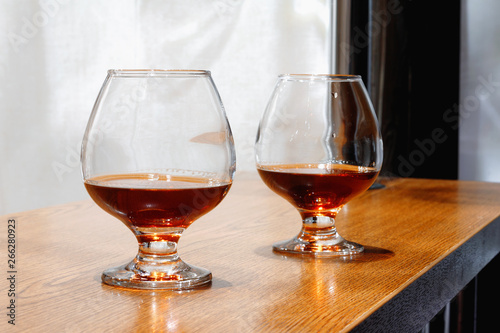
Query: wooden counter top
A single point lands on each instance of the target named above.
(424, 240)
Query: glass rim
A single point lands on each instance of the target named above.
(158, 72)
(327, 77)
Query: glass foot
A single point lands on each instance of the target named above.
(320, 248)
(178, 276)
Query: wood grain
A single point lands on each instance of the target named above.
(408, 228)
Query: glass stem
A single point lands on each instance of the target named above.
(317, 228)
(318, 237)
(158, 248)
(157, 253)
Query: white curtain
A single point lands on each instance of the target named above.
(54, 55)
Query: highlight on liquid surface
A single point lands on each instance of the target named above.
(155, 200)
(317, 187)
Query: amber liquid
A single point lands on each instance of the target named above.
(155, 202)
(317, 188)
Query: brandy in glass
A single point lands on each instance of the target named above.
(157, 154)
(318, 146)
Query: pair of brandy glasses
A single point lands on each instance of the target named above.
(158, 153)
